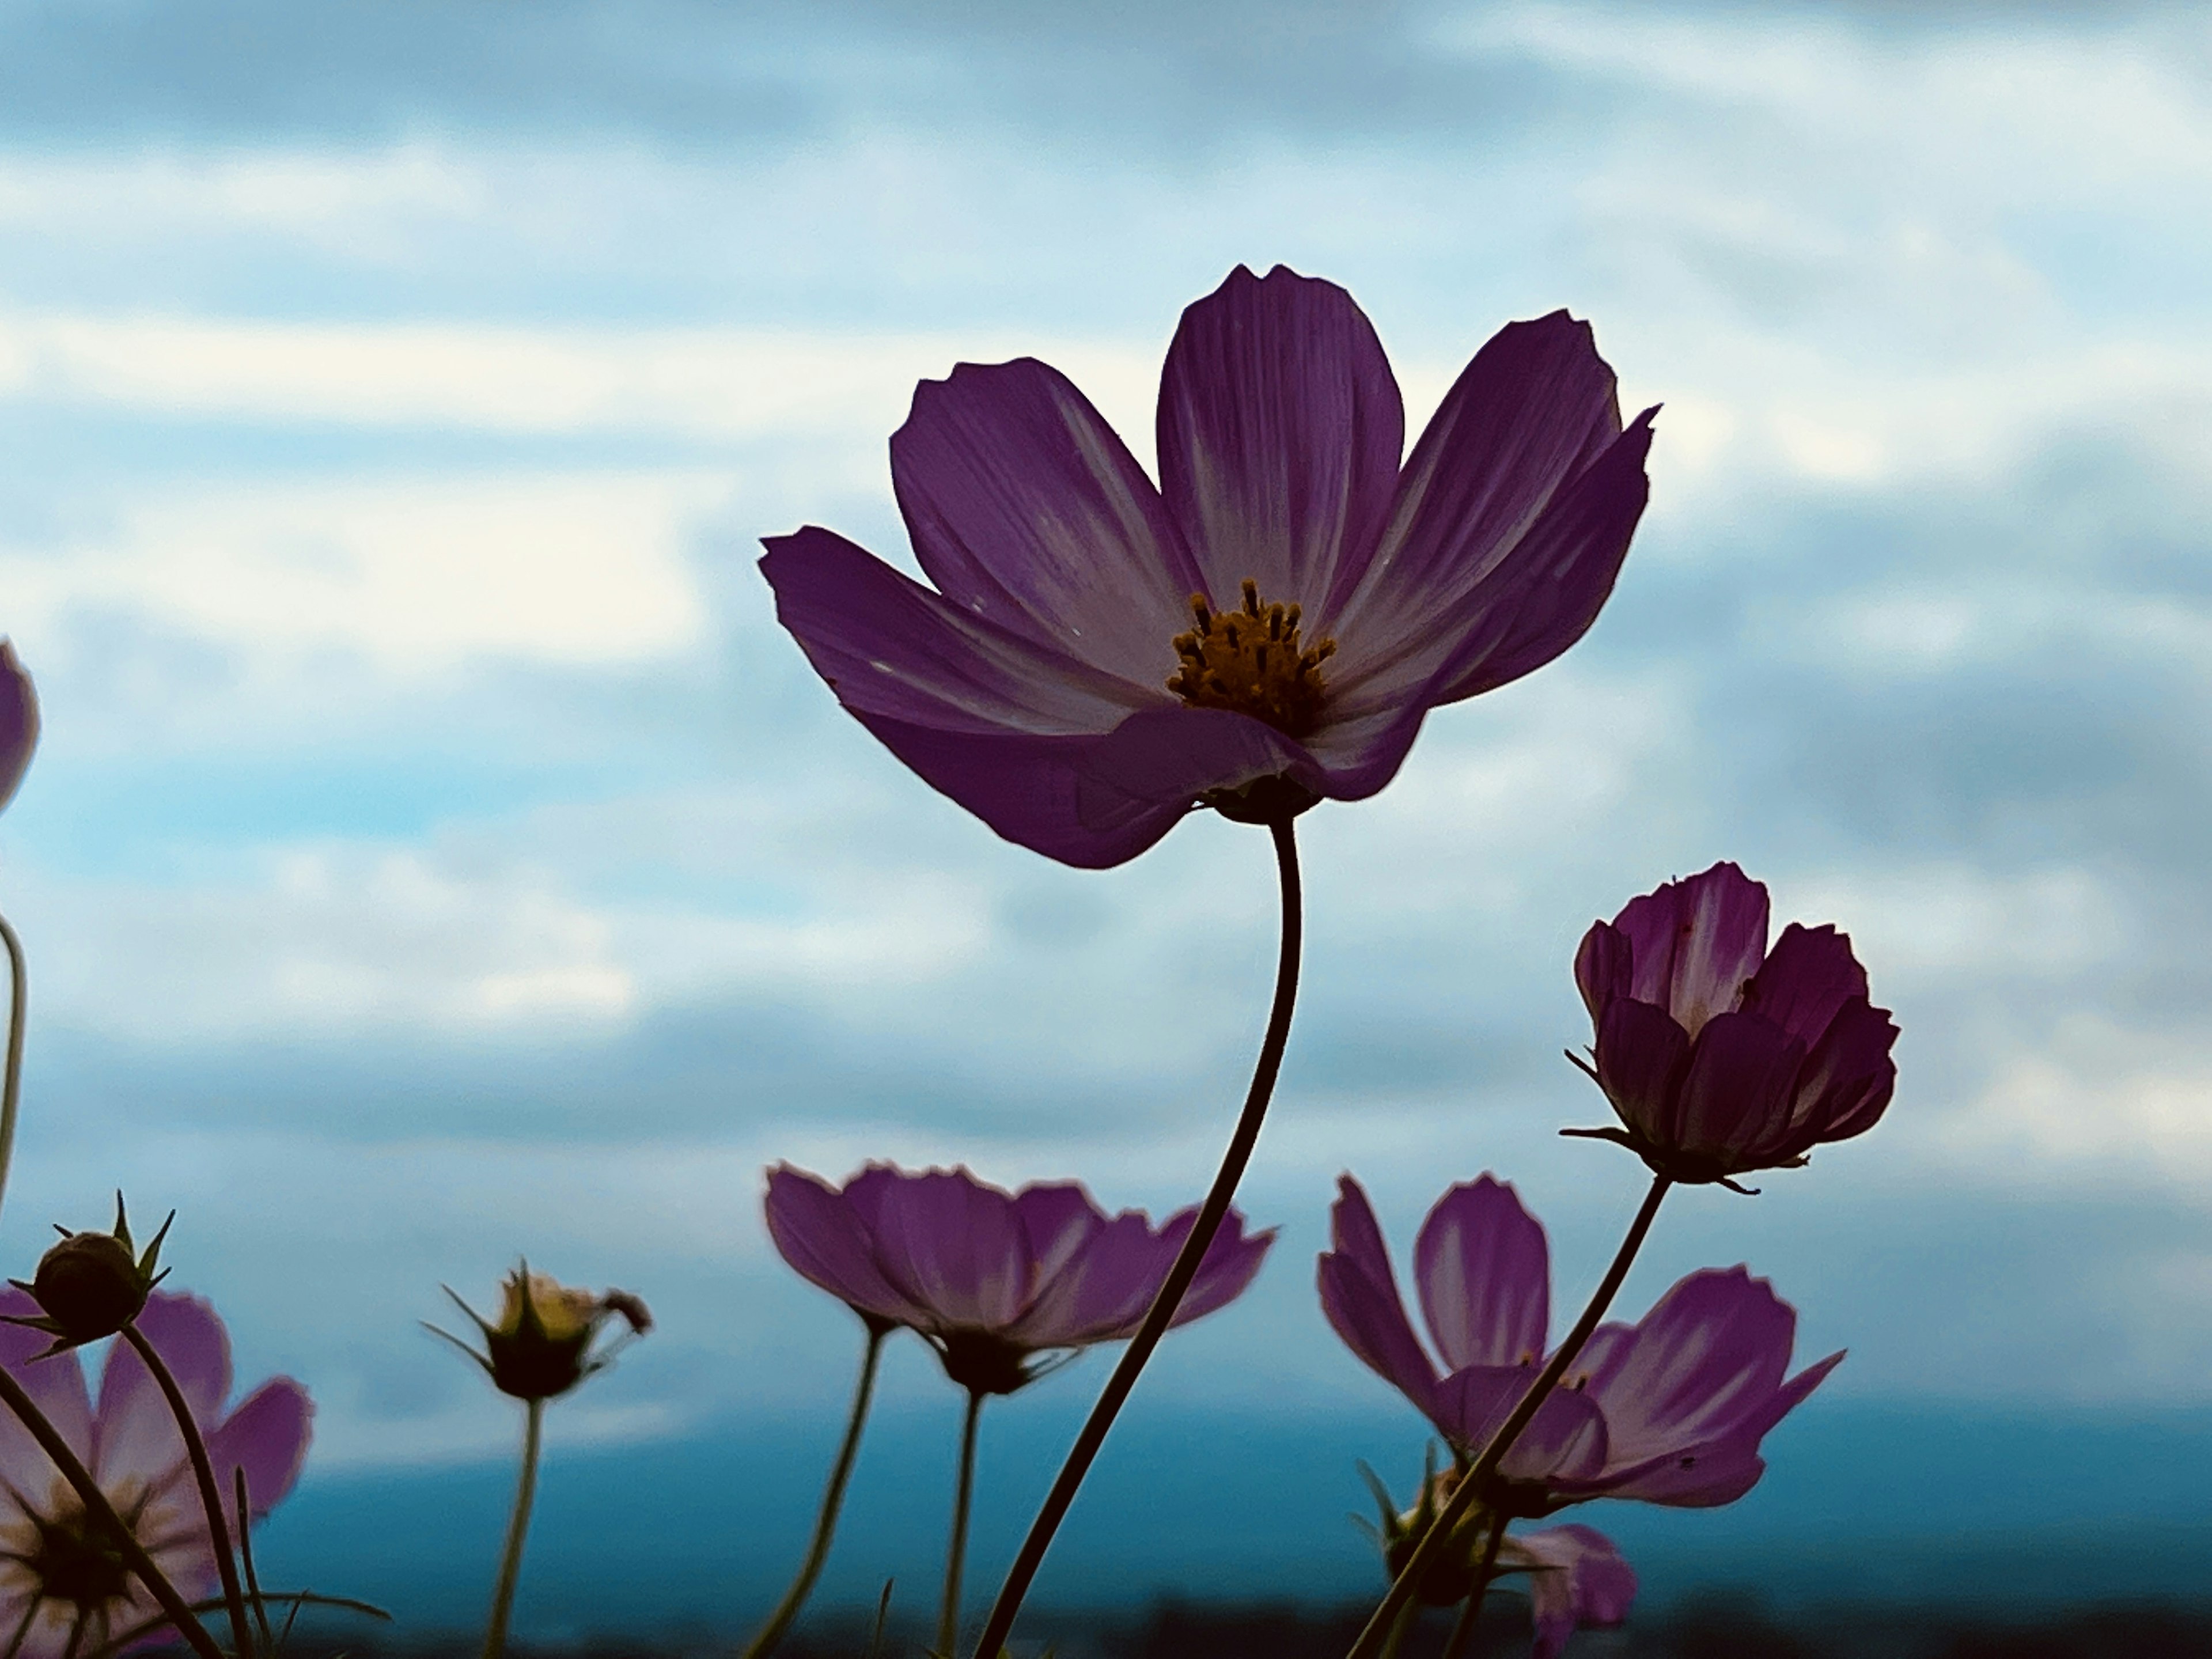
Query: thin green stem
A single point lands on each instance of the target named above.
(11, 1070)
(211, 1494)
(833, 1499)
(1470, 1616)
(245, 1513)
(955, 1552)
(1478, 1475)
(1162, 1312)
(97, 1506)
(518, 1529)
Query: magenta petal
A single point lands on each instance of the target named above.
(1577, 1577)
(266, 1437)
(1101, 1292)
(1058, 1220)
(1028, 512)
(819, 1233)
(1845, 1083)
(1605, 967)
(1736, 1096)
(1280, 427)
(1642, 1057)
(1231, 1263)
(1532, 411)
(1808, 976)
(1564, 1442)
(56, 1385)
(133, 1431)
(1484, 1275)
(1697, 943)
(954, 1245)
(1707, 1362)
(1359, 1296)
(19, 721)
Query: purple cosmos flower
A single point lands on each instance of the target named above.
(1669, 1410)
(991, 1278)
(1720, 1055)
(62, 1588)
(19, 721)
(1264, 628)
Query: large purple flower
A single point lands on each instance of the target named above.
(992, 1278)
(62, 1588)
(1264, 628)
(1720, 1055)
(1670, 1410)
(19, 721)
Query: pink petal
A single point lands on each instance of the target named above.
(1484, 1275)
(267, 1437)
(1100, 1293)
(1027, 511)
(1280, 427)
(1736, 1096)
(1707, 1362)
(953, 1245)
(55, 1385)
(1605, 968)
(1697, 943)
(823, 1238)
(1845, 1084)
(1565, 1441)
(19, 721)
(135, 1434)
(1807, 978)
(1226, 1270)
(1359, 1296)
(1641, 1058)
(1577, 1577)
(1058, 1218)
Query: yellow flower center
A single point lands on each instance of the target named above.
(1250, 662)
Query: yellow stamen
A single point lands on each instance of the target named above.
(1249, 660)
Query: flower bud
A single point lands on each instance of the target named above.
(90, 1286)
(542, 1345)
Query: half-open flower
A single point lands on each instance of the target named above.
(1265, 627)
(19, 721)
(542, 1343)
(1720, 1055)
(993, 1279)
(1670, 1410)
(64, 1587)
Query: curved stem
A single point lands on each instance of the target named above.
(1463, 1634)
(518, 1529)
(1479, 1473)
(211, 1494)
(1210, 1214)
(11, 1070)
(833, 1499)
(956, 1553)
(97, 1506)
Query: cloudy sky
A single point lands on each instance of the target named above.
(437, 852)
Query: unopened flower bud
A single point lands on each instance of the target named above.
(543, 1344)
(90, 1284)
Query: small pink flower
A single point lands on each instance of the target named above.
(991, 1278)
(1720, 1055)
(62, 1590)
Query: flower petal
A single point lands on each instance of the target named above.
(1531, 412)
(1642, 1055)
(1101, 1293)
(1706, 1363)
(1359, 1295)
(1484, 1274)
(1605, 968)
(1058, 1218)
(1229, 1265)
(1806, 977)
(1564, 1442)
(1027, 510)
(1845, 1084)
(134, 1433)
(1577, 1577)
(1697, 943)
(953, 1245)
(19, 721)
(267, 1437)
(1736, 1096)
(824, 1240)
(55, 1385)
(1280, 427)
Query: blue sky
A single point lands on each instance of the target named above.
(436, 851)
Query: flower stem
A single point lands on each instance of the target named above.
(211, 1494)
(1438, 1536)
(1187, 1261)
(833, 1499)
(97, 1506)
(1462, 1636)
(518, 1529)
(956, 1553)
(11, 1070)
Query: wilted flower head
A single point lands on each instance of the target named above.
(63, 1584)
(92, 1285)
(1264, 628)
(19, 721)
(1720, 1055)
(541, 1345)
(992, 1278)
(1669, 1410)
